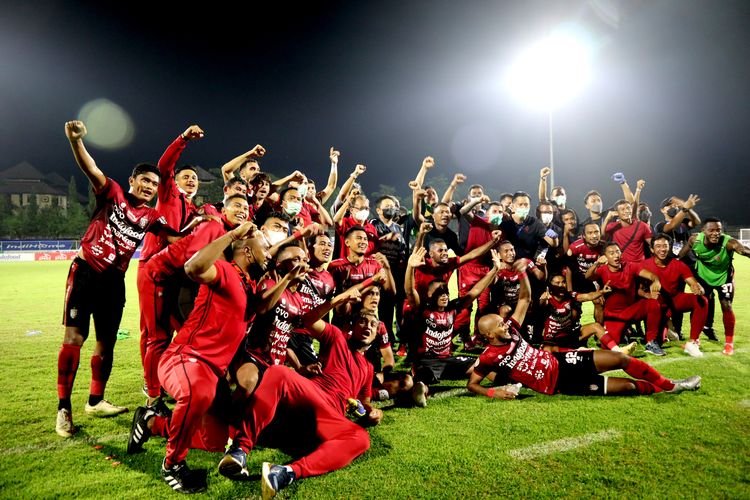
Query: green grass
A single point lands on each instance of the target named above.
(663, 446)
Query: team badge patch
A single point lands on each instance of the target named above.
(143, 222)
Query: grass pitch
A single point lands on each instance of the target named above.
(693, 445)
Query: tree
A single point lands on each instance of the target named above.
(76, 221)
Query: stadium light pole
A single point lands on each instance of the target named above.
(549, 73)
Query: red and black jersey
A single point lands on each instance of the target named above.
(517, 361)
(436, 331)
(584, 255)
(562, 318)
(177, 209)
(117, 228)
(270, 332)
(346, 373)
(347, 274)
(507, 286)
(216, 326)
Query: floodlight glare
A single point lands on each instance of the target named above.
(550, 72)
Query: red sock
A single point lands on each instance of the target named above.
(101, 367)
(643, 387)
(608, 342)
(643, 371)
(160, 426)
(729, 320)
(67, 366)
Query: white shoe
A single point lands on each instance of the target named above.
(64, 426)
(693, 349)
(104, 409)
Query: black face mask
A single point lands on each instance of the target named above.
(389, 213)
(671, 212)
(644, 215)
(557, 290)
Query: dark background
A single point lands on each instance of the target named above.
(389, 82)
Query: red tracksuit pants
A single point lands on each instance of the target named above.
(341, 440)
(648, 309)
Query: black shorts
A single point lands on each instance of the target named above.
(578, 375)
(90, 293)
(570, 341)
(725, 291)
(303, 347)
(432, 370)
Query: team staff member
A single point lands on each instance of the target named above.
(714, 251)
(96, 281)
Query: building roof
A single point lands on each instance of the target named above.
(29, 187)
(57, 180)
(204, 175)
(24, 171)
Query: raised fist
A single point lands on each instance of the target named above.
(192, 132)
(543, 173)
(75, 130)
(359, 170)
(428, 162)
(258, 151)
(334, 156)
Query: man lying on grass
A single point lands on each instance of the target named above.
(570, 372)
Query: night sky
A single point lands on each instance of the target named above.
(389, 82)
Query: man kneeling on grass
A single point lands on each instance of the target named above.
(513, 360)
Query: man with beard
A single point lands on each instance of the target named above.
(199, 355)
(159, 283)
(356, 267)
(96, 280)
(714, 251)
(319, 402)
(583, 253)
(245, 166)
(673, 274)
(512, 360)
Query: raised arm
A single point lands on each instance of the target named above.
(543, 173)
(481, 250)
(313, 320)
(736, 246)
(524, 298)
(325, 217)
(172, 154)
(228, 169)
(686, 210)
(591, 271)
(271, 297)
(333, 177)
(200, 267)
(591, 296)
(416, 259)
(389, 285)
(427, 164)
(347, 187)
(486, 280)
(448, 195)
(75, 132)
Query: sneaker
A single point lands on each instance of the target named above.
(274, 478)
(728, 350)
(144, 390)
(104, 409)
(401, 351)
(419, 394)
(654, 348)
(381, 395)
(629, 349)
(693, 349)
(161, 408)
(64, 426)
(686, 384)
(710, 333)
(672, 336)
(139, 431)
(234, 464)
(180, 478)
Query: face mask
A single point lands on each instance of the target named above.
(275, 236)
(546, 218)
(557, 290)
(302, 190)
(522, 213)
(596, 208)
(473, 199)
(389, 213)
(645, 215)
(496, 219)
(560, 200)
(293, 208)
(671, 212)
(362, 215)
(189, 196)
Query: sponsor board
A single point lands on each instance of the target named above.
(49, 256)
(37, 245)
(16, 257)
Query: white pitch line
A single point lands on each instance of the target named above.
(561, 445)
(57, 442)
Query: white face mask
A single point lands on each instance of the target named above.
(293, 208)
(302, 190)
(596, 208)
(472, 199)
(274, 237)
(546, 218)
(362, 215)
(560, 200)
